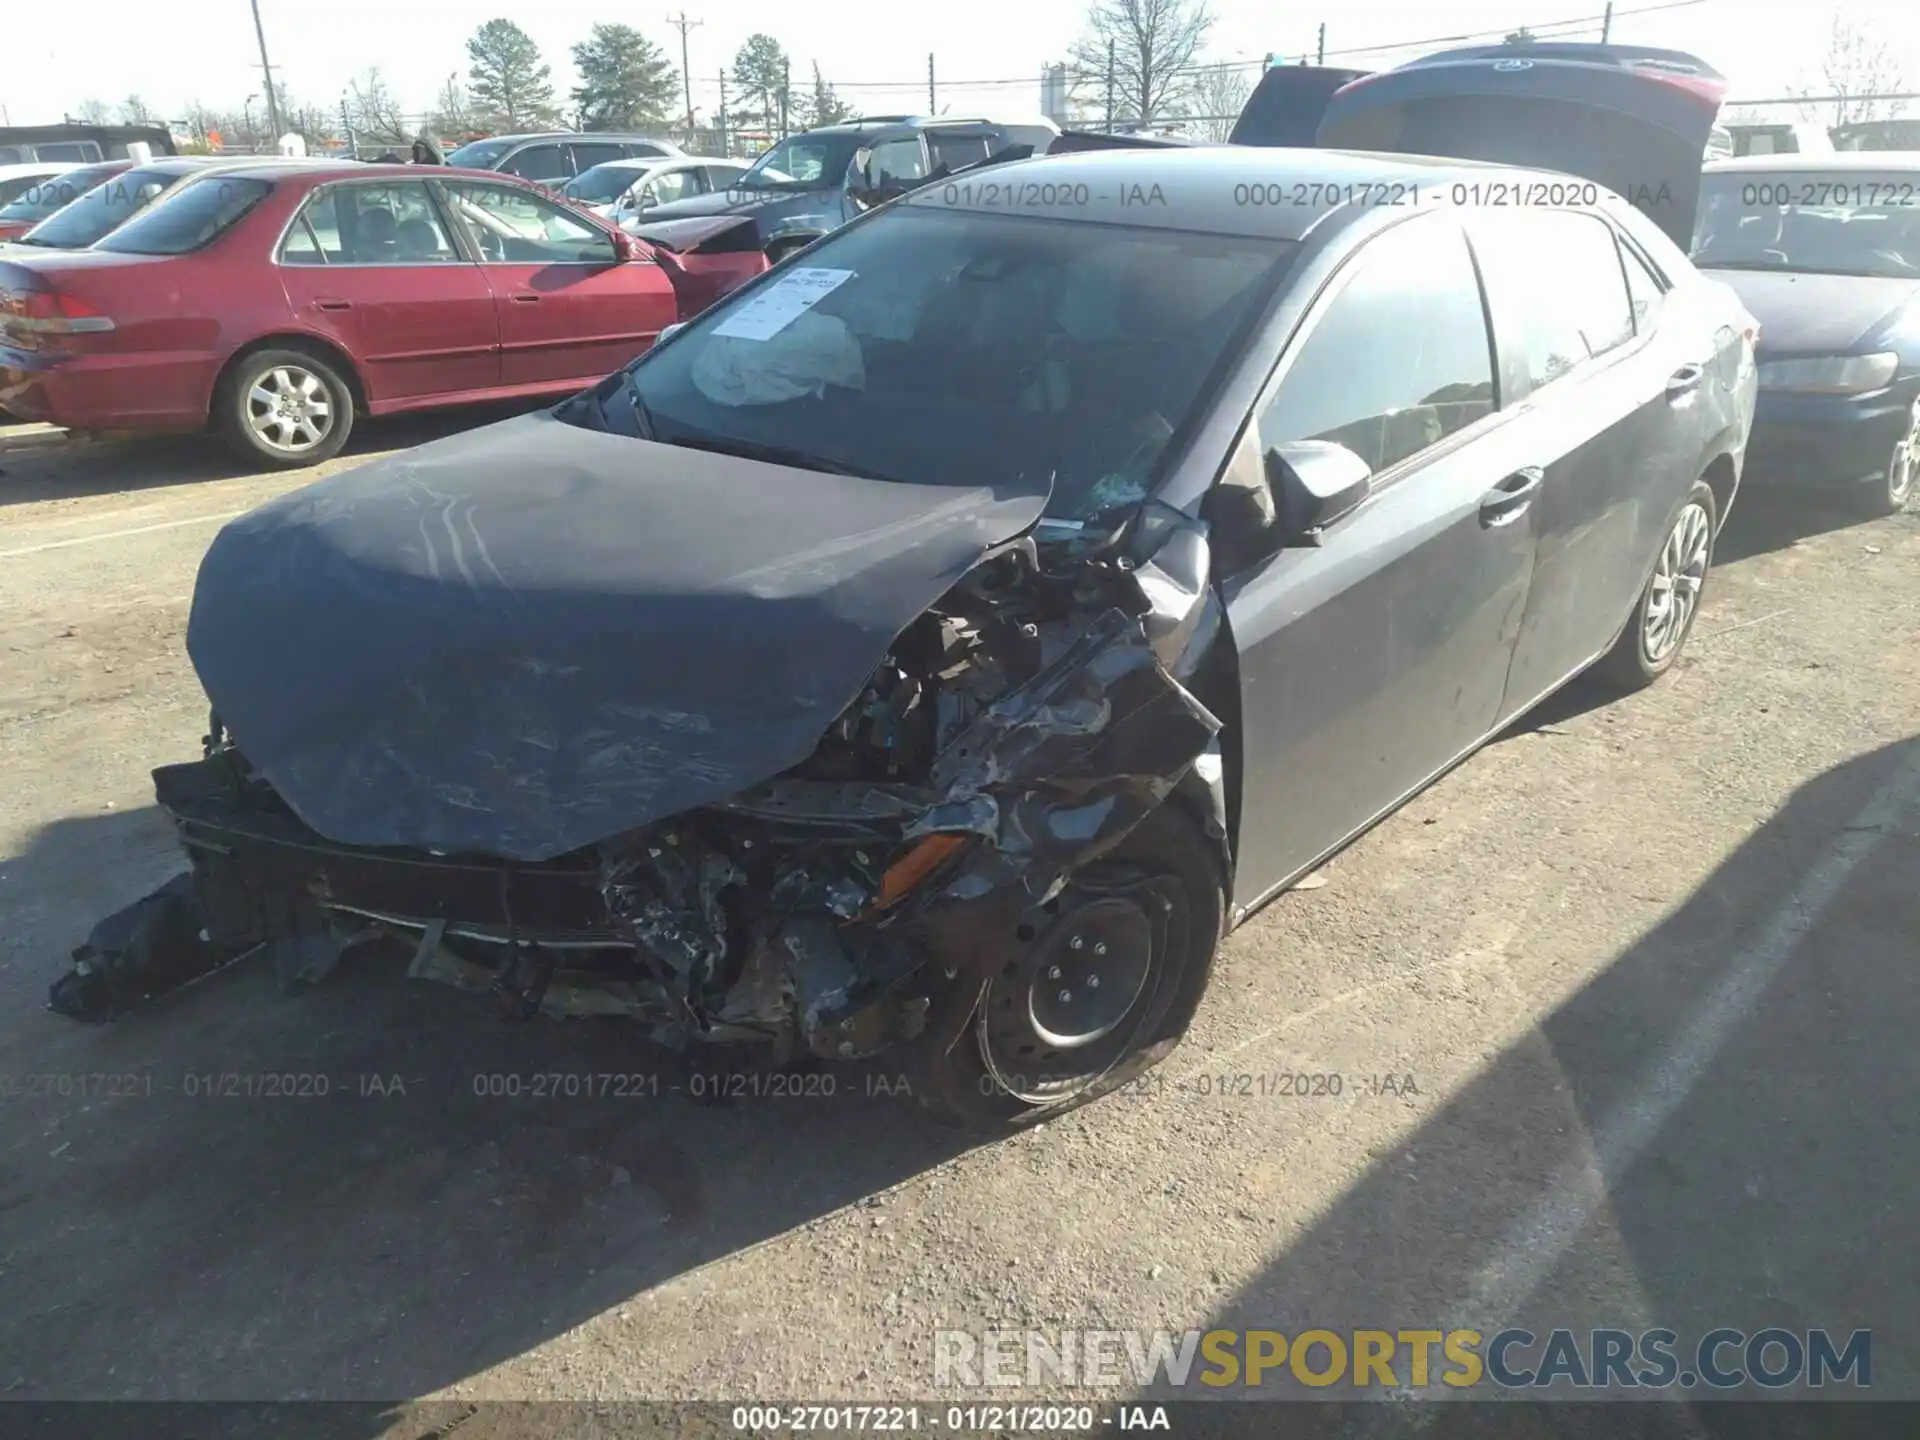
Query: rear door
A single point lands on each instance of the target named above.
(374, 266)
(1371, 661)
(570, 309)
(1633, 119)
(545, 164)
(1590, 398)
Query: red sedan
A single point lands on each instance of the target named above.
(276, 304)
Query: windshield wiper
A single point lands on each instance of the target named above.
(773, 455)
(642, 417)
(1706, 263)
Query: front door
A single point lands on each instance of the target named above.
(372, 266)
(571, 309)
(1371, 661)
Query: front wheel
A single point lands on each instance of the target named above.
(1664, 616)
(1098, 997)
(284, 408)
(1889, 494)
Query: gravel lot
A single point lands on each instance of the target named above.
(1649, 963)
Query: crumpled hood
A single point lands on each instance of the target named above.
(1804, 314)
(531, 637)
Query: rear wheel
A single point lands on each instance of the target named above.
(1664, 616)
(284, 408)
(1098, 997)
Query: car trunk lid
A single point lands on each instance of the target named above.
(1634, 119)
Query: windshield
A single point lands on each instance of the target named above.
(480, 155)
(1830, 222)
(957, 348)
(603, 184)
(192, 218)
(802, 162)
(39, 201)
(102, 209)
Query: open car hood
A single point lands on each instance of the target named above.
(531, 637)
(1286, 107)
(1633, 119)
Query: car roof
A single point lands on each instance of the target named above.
(619, 136)
(37, 167)
(1222, 189)
(322, 167)
(1820, 160)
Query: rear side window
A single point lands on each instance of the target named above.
(644, 150)
(1400, 359)
(369, 225)
(11, 190)
(1557, 273)
(79, 150)
(543, 164)
(585, 157)
(953, 151)
(199, 214)
(1643, 288)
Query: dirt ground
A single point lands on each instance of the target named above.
(1649, 963)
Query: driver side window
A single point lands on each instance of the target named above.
(512, 226)
(899, 162)
(1399, 360)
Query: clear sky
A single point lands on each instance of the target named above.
(875, 53)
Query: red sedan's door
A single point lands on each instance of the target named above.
(571, 309)
(371, 264)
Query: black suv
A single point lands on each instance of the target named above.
(816, 181)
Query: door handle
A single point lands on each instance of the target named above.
(1508, 500)
(333, 304)
(1685, 381)
(526, 299)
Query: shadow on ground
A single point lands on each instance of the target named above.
(1770, 1185)
(39, 464)
(248, 1194)
(1765, 521)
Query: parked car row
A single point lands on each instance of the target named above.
(938, 644)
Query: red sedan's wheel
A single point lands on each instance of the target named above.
(284, 408)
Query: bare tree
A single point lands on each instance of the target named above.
(135, 111)
(1219, 94)
(454, 113)
(1859, 63)
(373, 110)
(93, 112)
(1149, 45)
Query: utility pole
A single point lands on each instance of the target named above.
(346, 129)
(786, 89)
(1606, 23)
(1320, 55)
(725, 148)
(1109, 87)
(933, 107)
(266, 72)
(686, 75)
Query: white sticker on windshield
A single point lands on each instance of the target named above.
(781, 303)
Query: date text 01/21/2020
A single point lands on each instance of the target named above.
(961, 1419)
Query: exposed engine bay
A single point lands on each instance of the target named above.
(948, 824)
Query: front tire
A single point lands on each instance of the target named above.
(1889, 495)
(284, 409)
(1037, 1037)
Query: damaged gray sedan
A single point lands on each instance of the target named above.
(935, 647)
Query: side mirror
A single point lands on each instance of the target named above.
(1314, 483)
(629, 247)
(668, 333)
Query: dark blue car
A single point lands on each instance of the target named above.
(1825, 252)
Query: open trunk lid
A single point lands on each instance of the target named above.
(1634, 119)
(1287, 105)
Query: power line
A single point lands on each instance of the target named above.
(1543, 28)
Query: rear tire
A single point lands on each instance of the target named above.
(959, 1067)
(1664, 614)
(284, 408)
